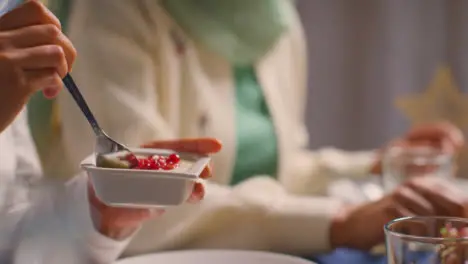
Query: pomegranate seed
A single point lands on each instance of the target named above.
(142, 164)
(169, 166)
(153, 162)
(173, 158)
(152, 165)
(464, 232)
(162, 160)
(132, 160)
(149, 165)
(130, 156)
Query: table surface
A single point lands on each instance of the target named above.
(349, 256)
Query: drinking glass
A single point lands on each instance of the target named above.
(427, 240)
(400, 164)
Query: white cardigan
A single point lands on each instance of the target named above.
(146, 80)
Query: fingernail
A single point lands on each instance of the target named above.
(194, 199)
(157, 212)
(50, 92)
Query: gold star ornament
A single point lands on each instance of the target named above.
(441, 101)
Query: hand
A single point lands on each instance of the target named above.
(361, 227)
(34, 55)
(119, 223)
(441, 135)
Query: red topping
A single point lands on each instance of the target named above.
(142, 164)
(150, 163)
(170, 166)
(132, 159)
(173, 158)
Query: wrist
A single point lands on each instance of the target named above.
(376, 167)
(339, 231)
(117, 233)
(108, 229)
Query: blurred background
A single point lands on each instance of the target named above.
(365, 55)
(375, 68)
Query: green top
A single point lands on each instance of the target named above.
(257, 152)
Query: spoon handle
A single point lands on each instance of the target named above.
(80, 101)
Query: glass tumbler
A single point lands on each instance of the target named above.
(427, 240)
(400, 164)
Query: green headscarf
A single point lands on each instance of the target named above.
(242, 31)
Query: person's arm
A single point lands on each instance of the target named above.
(28, 210)
(315, 170)
(28, 167)
(258, 214)
(97, 247)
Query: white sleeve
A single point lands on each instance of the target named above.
(56, 227)
(28, 166)
(38, 214)
(98, 247)
(115, 70)
(42, 221)
(314, 171)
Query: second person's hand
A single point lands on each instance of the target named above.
(361, 227)
(443, 136)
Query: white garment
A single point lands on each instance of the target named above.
(19, 167)
(146, 80)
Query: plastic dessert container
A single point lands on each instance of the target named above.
(137, 188)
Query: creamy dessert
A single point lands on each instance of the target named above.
(126, 160)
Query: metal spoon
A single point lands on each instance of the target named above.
(104, 144)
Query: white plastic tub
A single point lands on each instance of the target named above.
(145, 188)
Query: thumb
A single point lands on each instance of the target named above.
(437, 132)
(202, 146)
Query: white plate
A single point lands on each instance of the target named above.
(214, 257)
